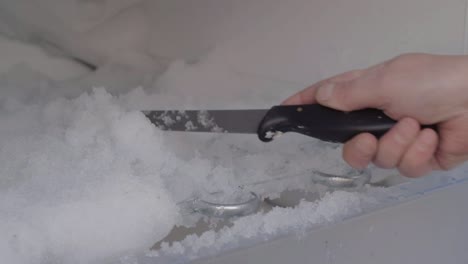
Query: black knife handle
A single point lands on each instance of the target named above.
(324, 123)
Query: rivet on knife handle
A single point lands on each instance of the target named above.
(323, 123)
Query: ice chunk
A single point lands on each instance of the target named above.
(80, 182)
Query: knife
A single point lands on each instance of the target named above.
(311, 120)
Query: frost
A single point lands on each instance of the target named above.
(207, 121)
(273, 135)
(332, 207)
(15, 54)
(168, 121)
(190, 126)
(85, 177)
(77, 175)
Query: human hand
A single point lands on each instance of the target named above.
(413, 89)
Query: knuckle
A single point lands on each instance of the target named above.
(393, 145)
(405, 132)
(404, 63)
(391, 112)
(387, 155)
(344, 96)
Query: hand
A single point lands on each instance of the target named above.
(413, 89)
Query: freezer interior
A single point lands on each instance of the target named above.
(86, 178)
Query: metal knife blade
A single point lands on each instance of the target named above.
(221, 121)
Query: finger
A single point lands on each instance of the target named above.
(453, 145)
(360, 150)
(307, 96)
(393, 145)
(354, 94)
(418, 159)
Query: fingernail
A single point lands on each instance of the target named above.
(324, 93)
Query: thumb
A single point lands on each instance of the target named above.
(347, 96)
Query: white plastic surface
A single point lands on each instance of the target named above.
(429, 230)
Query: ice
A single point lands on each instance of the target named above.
(81, 181)
(206, 121)
(190, 126)
(16, 54)
(332, 207)
(86, 178)
(97, 31)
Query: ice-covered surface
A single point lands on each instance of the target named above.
(80, 181)
(86, 178)
(300, 221)
(332, 207)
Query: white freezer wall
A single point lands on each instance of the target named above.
(302, 41)
(299, 41)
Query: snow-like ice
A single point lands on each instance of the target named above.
(280, 220)
(86, 178)
(80, 180)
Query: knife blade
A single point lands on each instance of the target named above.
(311, 120)
(227, 121)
